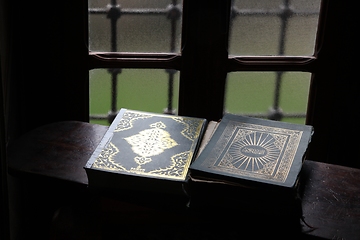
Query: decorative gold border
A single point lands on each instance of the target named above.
(277, 170)
(179, 163)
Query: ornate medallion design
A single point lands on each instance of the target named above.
(150, 142)
(151, 145)
(254, 151)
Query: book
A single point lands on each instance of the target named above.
(145, 152)
(248, 159)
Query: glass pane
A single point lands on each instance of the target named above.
(135, 26)
(276, 27)
(153, 90)
(256, 94)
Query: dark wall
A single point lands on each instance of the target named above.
(47, 77)
(44, 75)
(334, 111)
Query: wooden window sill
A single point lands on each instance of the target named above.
(58, 152)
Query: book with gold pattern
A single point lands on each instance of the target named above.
(146, 151)
(245, 149)
(250, 164)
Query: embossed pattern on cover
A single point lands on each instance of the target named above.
(254, 149)
(148, 144)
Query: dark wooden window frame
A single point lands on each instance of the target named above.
(204, 61)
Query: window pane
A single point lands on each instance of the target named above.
(135, 26)
(277, 27)
(256, 94)
(153, 90)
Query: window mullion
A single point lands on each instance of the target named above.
(204, 58)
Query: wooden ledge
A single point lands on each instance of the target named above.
(331, 200)
(331, 197)
(58, 150)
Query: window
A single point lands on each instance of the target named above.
(205, 75)
(202, 58)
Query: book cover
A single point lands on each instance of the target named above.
(145, 151)
(253, 152)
